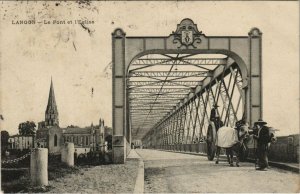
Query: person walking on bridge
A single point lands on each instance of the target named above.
(261, 134)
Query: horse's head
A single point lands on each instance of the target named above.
(242, 129)
(272, 135)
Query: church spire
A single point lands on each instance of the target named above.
(51, 114)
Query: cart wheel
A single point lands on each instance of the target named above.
(211, 139)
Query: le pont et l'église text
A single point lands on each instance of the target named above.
(16, 22)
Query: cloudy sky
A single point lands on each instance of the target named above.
(79, 60)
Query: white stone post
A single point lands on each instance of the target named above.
(67, 154)
(39, 167)
(105, 147)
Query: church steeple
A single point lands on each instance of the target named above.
(51, 114)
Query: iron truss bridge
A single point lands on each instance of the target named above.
(159, 84)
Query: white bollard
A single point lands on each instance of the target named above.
(39, 167)
(67, 154)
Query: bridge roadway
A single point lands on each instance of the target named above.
(168, 172)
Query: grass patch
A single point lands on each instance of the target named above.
(59, 170)
(17, 185)
(22, 184)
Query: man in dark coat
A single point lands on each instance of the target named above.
(214, 116)
(261, 134)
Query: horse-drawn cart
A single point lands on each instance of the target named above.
(212, 143)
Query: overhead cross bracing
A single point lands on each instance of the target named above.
(189, 122)
(157, 83)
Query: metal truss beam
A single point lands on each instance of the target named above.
(181, 61)
(134, 84)
(165, 96)
(147, 107)
(153, 103)
(170, 74)
(137, 117)
(160, 90)
(152, 108)
(191, 123)
(147, 111)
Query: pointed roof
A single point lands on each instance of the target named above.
(51, 99)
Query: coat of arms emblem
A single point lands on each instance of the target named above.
(187, 37)
(187, 34)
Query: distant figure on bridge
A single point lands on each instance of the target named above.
(214, 117)
(264, 136)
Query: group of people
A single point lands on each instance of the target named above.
(260, 133)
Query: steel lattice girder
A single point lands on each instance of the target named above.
(181, 61)
(162, 109)
(165, 96)
(153, 111)
(152, 104)
(149, 107)
(200, 108)
(203, 90)
(135, 84)
(160, 90)
(170, 74)
(144, 92)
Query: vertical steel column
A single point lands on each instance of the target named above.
(202, 115)
(189, 122)
(176, 115)
(182, 124)
(255, 108)
(119, 97)
(184, 139)
(204, 110)
(196, 116)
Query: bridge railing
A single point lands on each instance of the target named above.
(286, 149)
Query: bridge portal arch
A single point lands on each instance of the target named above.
(243, 53)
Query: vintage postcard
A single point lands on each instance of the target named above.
(149, 96)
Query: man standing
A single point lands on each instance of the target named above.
(261, 134)
(214, 117)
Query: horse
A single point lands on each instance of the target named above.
(232, 139)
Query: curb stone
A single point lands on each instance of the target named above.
(139, 184)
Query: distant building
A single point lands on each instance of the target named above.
(137, 144)
(51, 136)
(21, 142)
(92, 137)
(54, 138)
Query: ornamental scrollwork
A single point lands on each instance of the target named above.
(187, 34)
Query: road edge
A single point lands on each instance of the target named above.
(139, 183)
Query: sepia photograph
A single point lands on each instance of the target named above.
(149, 96)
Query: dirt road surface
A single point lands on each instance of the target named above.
(167, 172)
(99, 179)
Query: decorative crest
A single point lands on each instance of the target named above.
(255, 32)
(187, 34)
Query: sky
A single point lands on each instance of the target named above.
(79, 60)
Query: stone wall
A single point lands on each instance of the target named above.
(51, 137)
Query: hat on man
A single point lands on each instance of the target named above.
(240, 123)
(216, 105)
(260, 122)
